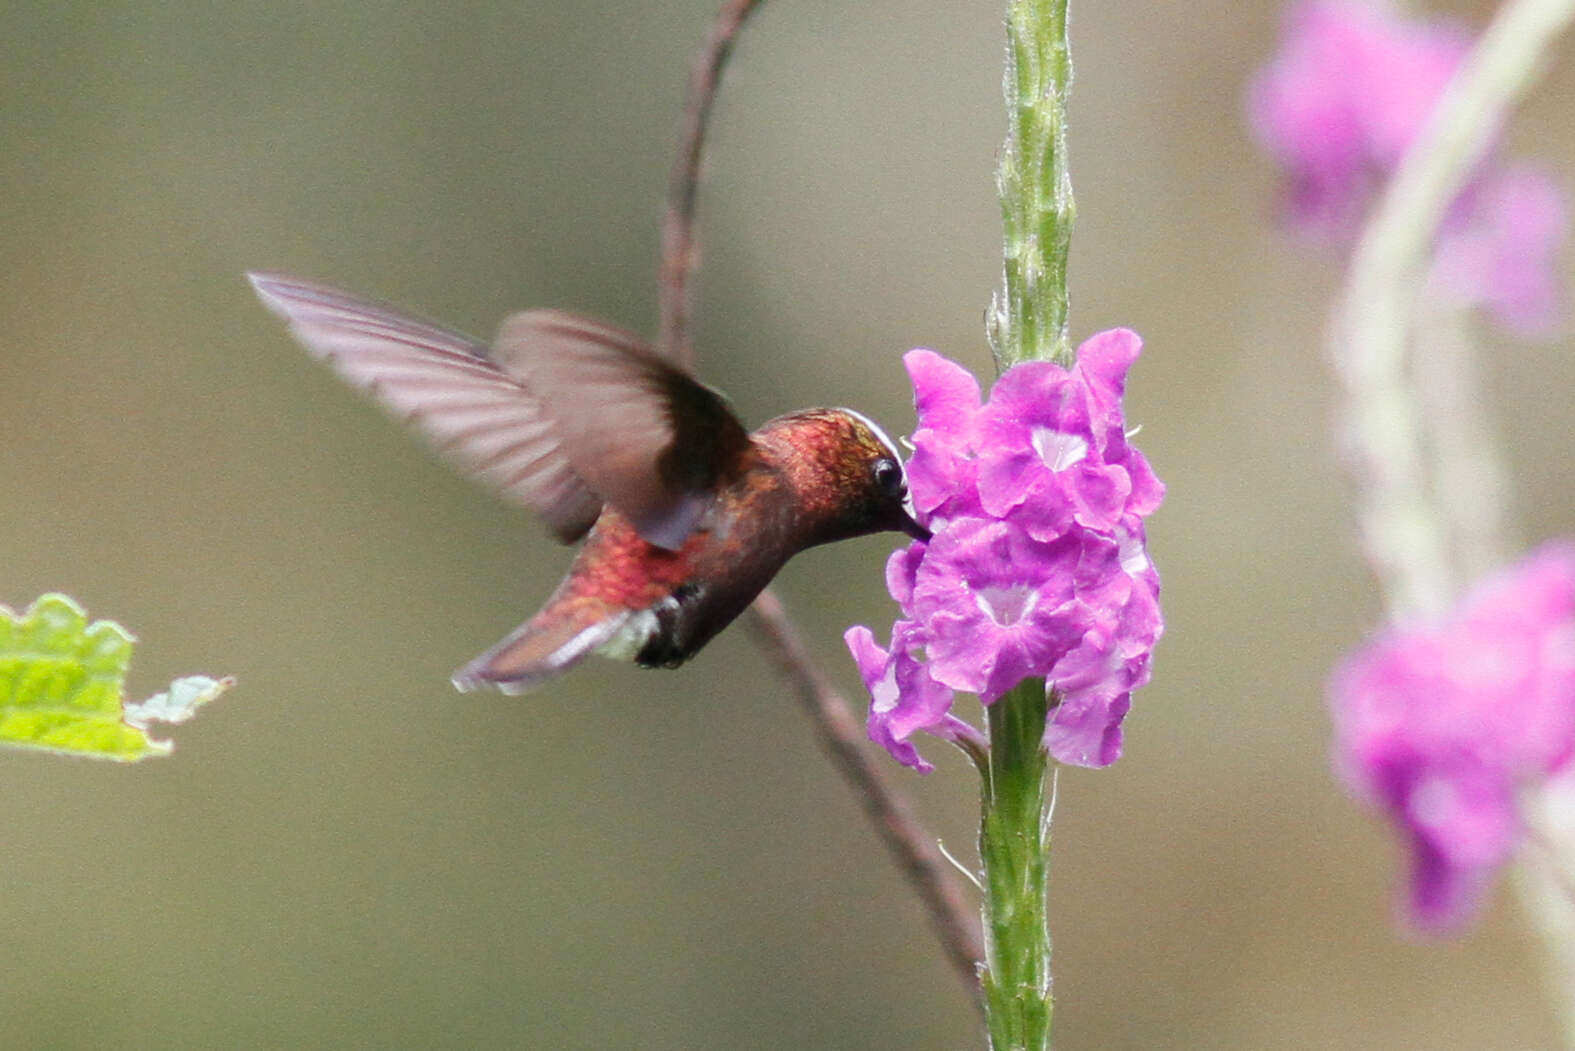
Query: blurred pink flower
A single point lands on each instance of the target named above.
(1337, 108)
(1443, 725)
(1501, 251)
(1351, 87)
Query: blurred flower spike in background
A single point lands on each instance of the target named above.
(1038, 566)
(1337, 108)
(1445, 726)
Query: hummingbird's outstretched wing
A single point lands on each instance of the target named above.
(567, 414)
(445, 383)
(645, 435)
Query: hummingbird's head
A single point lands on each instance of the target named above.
(846, 473)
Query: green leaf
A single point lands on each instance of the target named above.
(62, 682)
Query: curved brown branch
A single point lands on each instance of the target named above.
(956, 922)
(914, 849)
(679, 252)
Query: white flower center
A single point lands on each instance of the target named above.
(885, 694)
(1006, 605)
(1134, 559)
(1059, 451)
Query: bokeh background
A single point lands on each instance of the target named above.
(344, 852)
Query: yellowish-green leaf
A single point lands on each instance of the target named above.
(62, 686)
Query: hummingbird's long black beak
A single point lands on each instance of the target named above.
(911, 526)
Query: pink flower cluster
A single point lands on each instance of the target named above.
(1037, 567)
(1339, 105)
(1443, 725)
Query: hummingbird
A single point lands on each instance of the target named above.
(686, 516)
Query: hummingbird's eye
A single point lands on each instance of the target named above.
(888, 476)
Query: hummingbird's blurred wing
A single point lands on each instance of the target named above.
(447, 384)
(646, 436)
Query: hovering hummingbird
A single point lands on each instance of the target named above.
(686, 515)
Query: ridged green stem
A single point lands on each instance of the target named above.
(1028, 319)
(1027, 322)
(1014, 844)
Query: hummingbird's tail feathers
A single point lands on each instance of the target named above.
(544, 647)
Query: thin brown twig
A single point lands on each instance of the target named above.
(679, 252)
(915, 850)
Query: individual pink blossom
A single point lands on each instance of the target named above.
(904, 700)
(943, 469)
(1058, 441)
(1037, 568)
(1097, 676)
(996, 605)
(1444, 725)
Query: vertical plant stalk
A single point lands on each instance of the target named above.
(1404, 530)
(1014, 844)
(1027, 321)
(1469, 477)
(913, 848)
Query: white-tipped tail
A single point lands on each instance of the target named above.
(540, 649)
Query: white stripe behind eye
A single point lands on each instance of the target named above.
(885, 439)
(875, 429)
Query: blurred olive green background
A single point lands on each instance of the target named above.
(344, 852)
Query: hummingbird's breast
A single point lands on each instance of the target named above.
(618, 567)
(683, 598)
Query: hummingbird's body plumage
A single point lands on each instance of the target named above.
(686, 517)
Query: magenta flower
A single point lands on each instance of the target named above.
(997, 605)
(903, 698)
(1059, 442)
(1037, 568)
(1443, 725)
(943, 468)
